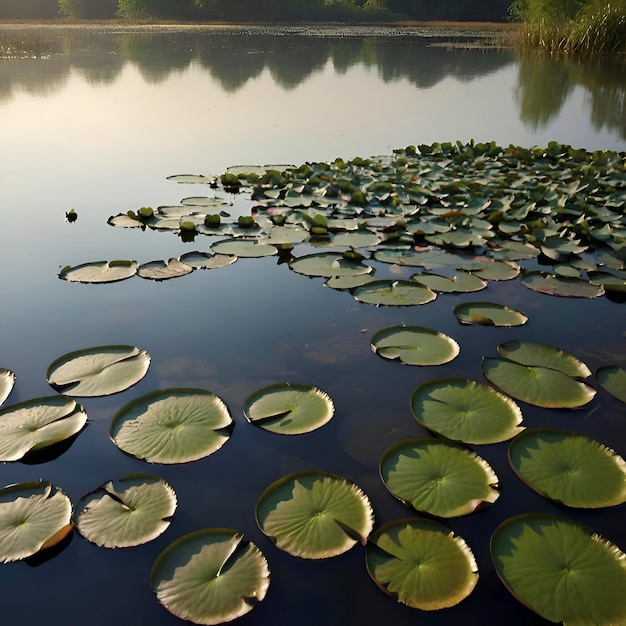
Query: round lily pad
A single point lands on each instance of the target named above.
(613, 379)
(560, 286)
(163, 270)
(328, 264)
(210, 576)
(499, 270)
(465, 411)
(98, 371)
(541, 386)
(560, 569)
(204, 260)
(127, 512)
(39, 423)
(414, 345)
(461, 282)
(421, 563)
(438, 478)
(488, 314)
(569, 468)
(7, 380)
(99, 272)
(348, 282)
(394, 293)
(33, 517)
(245, 248)
(172, 426)
(289, 409)
(538, 354)
(314, 514)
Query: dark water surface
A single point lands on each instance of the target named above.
(96, 120)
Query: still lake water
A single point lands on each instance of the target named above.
(96, 120)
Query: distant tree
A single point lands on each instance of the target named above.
(88, 9)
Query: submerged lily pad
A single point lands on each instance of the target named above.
(314, 514)
(99, 272)
(328, 264)
(36, 424)
(569, 468)
(163, 270)
(421, 563)
(540, 386)
(127, 512)
(99, 371)
(210, 576)
(488, 314)
(394, 293)
(560, 569)
(613, 379)
(289, 409)
(538, 354)
(414, 345)
(465, 411)
(438, 478)
(7, 380)
(172, 426)
(33, 517)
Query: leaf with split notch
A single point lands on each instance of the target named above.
(488, 314)
(542, 355)
(99, 272)
(394, 293)
(415, 345)
(163, 270)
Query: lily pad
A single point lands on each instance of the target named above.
(99, 371)
(99, 272)
(489, 314)
(462, 282)
(438, 478)
(189, 178)
(210, 576)
(348, 282)
(130, 511)
(172, 426)
(163, 270)
(328, 264)
(394, 293)
(540, 386)
(499, 270)
(463, 410)
(36, 424)
(204, 260)
(314, 514)
(414, 345)
(560, 286)
(421, 563)
(613, 379)
(7, 380)
(245, 248)
(33, 517)
(289, 409)
(560, 569)
(569, 468)
(538, 354)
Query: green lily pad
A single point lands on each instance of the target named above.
(540, 386)
(394, 293)
(99, 371)
(189, 178)
(421, 563)
(244, 248)
(39, 423)
(314, 514)
(414, 345)
(205, 260)
(163, 270)
(560, 569)
(499, 270)
(462, 282)
(33, 517)
(560, 286)
(613, 379)
(438, 478)
(99, 272)
(328, 264)
(7, 380)
(172, 426)
(348, 282)
(361, 238)
(569, 468)
(463, 410)
(289, 409)
(210, 576)
(538, 354)
(488, 314)
(130, 511)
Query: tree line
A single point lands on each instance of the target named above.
(259, 10)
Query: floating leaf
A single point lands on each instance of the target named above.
(394, 293)
(540, 386)
(465, 411)
(7, 380)
(561, 570)
(172, 426)
(33, 517)
(560, 286)
(348, 282)
(163, 270)
(314, 515)
(328, 264)
(499, 270)
(462, 282)
(289, 409)
(438, 478)
(245, 248)
(189, 178)
(361, 238)
(613, 379)
(421, 563)
(538, 354)
(127, 512)
(569, 468)
(99, 371)
(210, 576)
(36, 424)
(488, 314)
(204, 260)
(414, 345)
(99, 272)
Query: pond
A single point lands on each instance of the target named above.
(97, 119)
